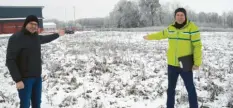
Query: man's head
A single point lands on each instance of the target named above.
(31, 23)
(180, 15)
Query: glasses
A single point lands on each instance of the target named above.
(33, 24)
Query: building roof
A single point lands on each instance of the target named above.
(20, 11)
(14, 18)
(23, 6)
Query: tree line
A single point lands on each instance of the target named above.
(144, 13)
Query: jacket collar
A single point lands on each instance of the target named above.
(186, 24)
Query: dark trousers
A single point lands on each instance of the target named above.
(173, 73)
(31, 92)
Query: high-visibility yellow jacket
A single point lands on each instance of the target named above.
(182, 42)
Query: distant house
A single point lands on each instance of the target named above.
(49, 27)
(12, 17)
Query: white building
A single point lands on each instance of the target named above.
(49, 27)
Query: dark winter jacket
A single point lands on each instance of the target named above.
(23, 57)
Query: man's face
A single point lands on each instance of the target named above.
(32, 26)
(180, 17)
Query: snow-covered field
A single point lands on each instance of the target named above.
(121, 70)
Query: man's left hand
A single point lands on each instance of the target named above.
(61, 32)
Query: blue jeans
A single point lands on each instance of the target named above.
(31, 92)
(173, 73)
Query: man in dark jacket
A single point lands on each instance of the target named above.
(23, 60)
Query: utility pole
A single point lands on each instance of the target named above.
(74, 13)
(65, 18)
(65, 14)
(74, 19)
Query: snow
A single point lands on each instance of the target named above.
(49, 24)
(112, 69)
(5, 35)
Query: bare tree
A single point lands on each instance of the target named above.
(148, 9)
(125, 14)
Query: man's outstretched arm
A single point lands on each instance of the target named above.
(48, 38)
(157, 36)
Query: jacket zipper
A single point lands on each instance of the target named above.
(176, 46)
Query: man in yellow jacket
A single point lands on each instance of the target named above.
(184, 39)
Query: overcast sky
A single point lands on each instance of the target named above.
(64, 9)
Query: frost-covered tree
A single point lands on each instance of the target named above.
(229, 19)
(224, 19)
(125, 14)
(149, 11)
(191, 15)
(213, 17)
(202, 17)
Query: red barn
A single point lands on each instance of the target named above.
(12, 17)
